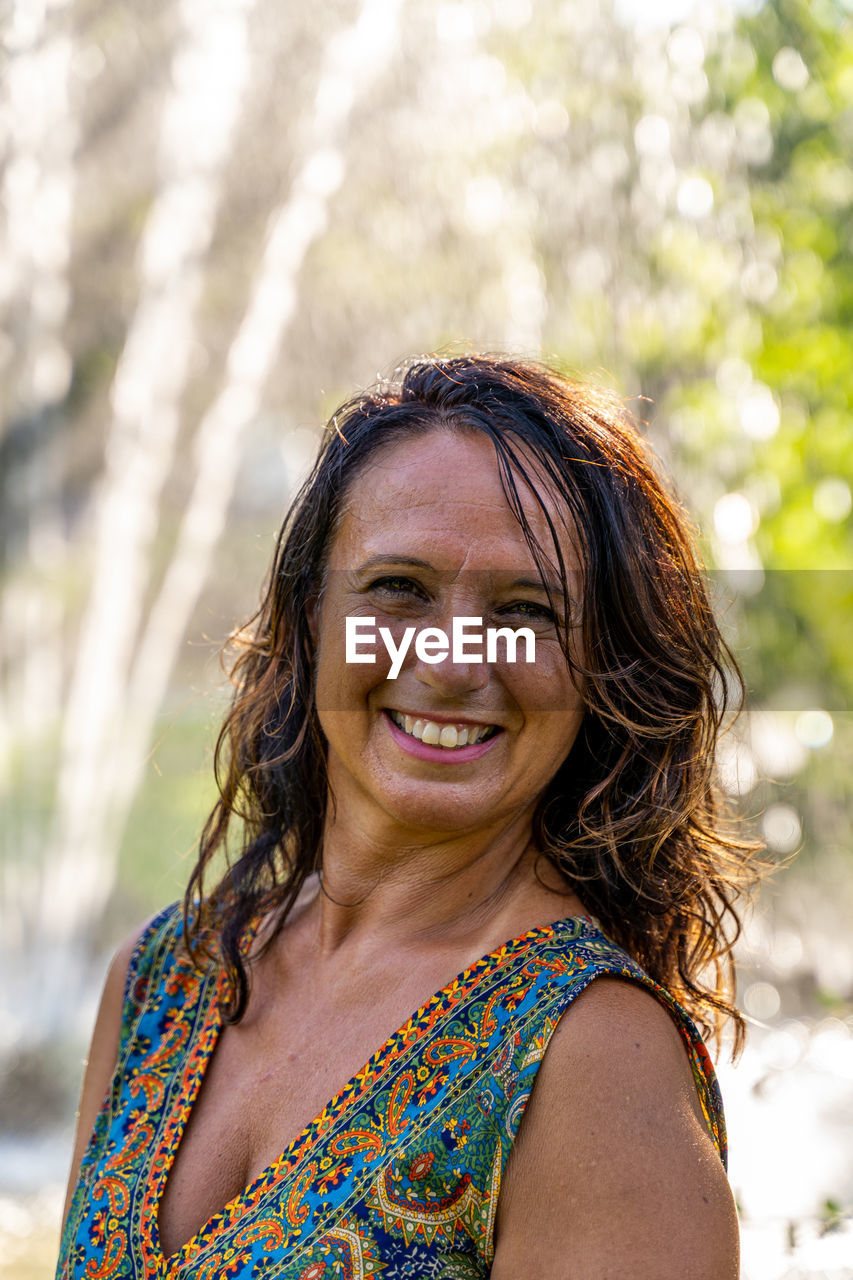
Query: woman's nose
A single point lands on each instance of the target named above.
(452, 678)
(454, 668)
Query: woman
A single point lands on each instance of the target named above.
(529, 854)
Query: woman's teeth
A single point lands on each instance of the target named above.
(441, 735)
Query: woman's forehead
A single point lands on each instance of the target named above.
(443, 491)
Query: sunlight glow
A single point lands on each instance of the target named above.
(734, 518)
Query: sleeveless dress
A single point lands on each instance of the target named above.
(398, 1177)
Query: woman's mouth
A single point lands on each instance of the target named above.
(449, 736)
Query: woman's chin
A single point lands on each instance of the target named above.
(438, 814)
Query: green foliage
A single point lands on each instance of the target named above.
(793, 78)
(801, 201)
(832, 1216)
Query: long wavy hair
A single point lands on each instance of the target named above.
(633, 818)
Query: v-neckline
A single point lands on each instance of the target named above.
(206, 1035)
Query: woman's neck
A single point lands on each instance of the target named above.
(386, 886)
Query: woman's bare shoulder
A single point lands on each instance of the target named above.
(613, 1168)
(103, 1050)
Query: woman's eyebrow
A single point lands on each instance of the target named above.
(551, 587)
(392, 558)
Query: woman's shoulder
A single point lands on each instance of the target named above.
(617, 992)
(129, 969)
(129, 964)
(622, 1030)
(128, 972)
(154, 942)
(614, 1118)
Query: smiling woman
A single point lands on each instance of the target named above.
(529, 855)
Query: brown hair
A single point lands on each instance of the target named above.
(633, 818)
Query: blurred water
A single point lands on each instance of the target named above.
(789, 1103)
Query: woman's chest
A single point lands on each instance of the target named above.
(408, 1172)
(262, 1087)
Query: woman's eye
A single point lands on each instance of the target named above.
(397, 587)
(530, 609)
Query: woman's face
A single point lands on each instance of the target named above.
(426, 536)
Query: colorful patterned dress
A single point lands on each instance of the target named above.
(399, 1175)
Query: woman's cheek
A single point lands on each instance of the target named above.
(542, 685)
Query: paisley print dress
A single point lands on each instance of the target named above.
(398, 1177)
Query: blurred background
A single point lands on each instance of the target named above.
(218, 218)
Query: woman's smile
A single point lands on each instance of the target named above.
(445, 742)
